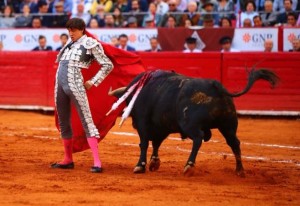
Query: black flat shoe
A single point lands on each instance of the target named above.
(96, 169)
(63, 166)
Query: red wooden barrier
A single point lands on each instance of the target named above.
(285, 97)
(27, 78)
(206, 65)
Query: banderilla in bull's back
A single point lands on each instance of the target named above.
(164, 102)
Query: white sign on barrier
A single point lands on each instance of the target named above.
(27, 39)
(245, 39)
(253, 39)
(288, 35)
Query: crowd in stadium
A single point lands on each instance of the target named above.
(150, 13)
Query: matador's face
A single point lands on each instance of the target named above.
(75, 34)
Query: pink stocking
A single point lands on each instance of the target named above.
(93, 143)
(68, 151)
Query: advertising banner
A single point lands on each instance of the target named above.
(253, 39)
(288, 35)
(27, 39)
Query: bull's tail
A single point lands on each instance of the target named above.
(253, 76)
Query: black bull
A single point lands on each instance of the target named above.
(173, 103)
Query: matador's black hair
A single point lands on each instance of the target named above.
(76, 23)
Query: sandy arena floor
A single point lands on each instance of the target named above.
(29, 142)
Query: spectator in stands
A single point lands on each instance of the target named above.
(257, 21)
(149, 22)
(225, 9)
(36, 23)
(100, 15)
(24, 19)
(67, 6)
(209, 10)
(296, 45)
(187, 23)
(80, 13)
(152, 14)
(50, 6)
(260, 5)
(119, 20)
(93, 24)
(107, 5)
(109, 21)
(182, 5)
(249, 13)
(298, 21)
(136, 12)
(114, 41)
(123, 40)
(8, 19)
(61, 17)
(87, 5)
(269, 17)
(154, 45)
(240, 5)
(225, 43)
(172, 11)
(121, 5)
(63, 39)
(32, 5)
(132, 22)
(208, 21)
(43, 14)
(225, 22)
(247, 23)
(268, 45)
(200, 4)
(279, 5)
(291, 19)
(191, 45)
(42, 45)
(162, 7)
(282, 17)
(14, 4)
(191, 14)
(171, 22)
(143, 5)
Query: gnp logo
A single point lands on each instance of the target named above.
(56, 38)
(292, 36)
(26, 38)
(132, 38)
(257, 38)
(18, 38)
(246, 37)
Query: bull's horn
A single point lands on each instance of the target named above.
(116, 92)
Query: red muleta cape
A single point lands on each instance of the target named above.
(126, 66)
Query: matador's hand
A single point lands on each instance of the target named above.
(88, 84)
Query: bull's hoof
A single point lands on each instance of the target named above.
(240, 173)
(139, 169)
(154, 164)
(189, 170)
